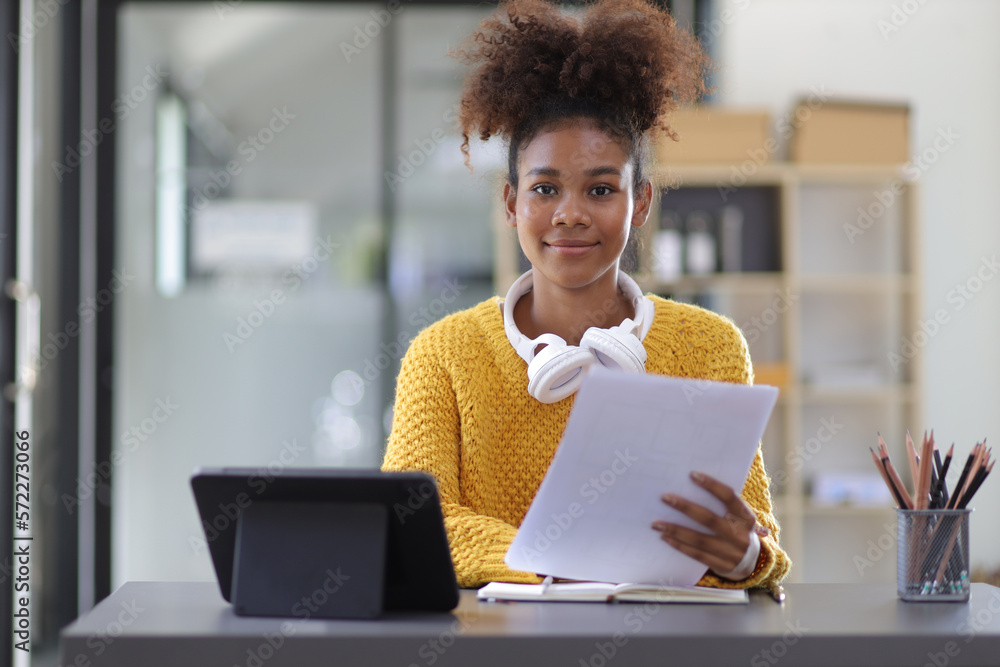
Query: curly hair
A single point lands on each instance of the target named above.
(625, 65)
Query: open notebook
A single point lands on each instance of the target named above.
(592, 591)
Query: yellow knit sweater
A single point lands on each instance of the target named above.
(463, 415)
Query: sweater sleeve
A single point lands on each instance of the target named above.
(731, 363)
(426, 436)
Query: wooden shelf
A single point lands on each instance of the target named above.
(767, 282)
(889, 283)
(775, 173)
(860, 394)
(851, 297)
(850, 173)
(847, 511)
(869, 284)
(696, 175)
(789, 505)
(733, 283)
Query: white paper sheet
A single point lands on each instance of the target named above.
(631, 438)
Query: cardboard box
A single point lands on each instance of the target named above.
(841, 132)
(716, 136)
(775, 374)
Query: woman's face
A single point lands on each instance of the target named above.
(574, 203)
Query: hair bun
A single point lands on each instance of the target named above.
(625, 56)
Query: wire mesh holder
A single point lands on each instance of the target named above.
(932, 555)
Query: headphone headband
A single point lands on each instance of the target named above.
(559, 374)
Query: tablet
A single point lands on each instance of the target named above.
(325, 543)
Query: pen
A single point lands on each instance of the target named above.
(777, 592)
(546, 582)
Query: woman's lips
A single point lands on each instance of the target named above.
(571, 248)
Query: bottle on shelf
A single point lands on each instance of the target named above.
(731, 238)
(699, 244)
(668, 254)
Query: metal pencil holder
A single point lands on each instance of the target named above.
(932, 555)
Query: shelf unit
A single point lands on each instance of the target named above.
(848, 288)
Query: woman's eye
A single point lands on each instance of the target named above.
(601, 190)
(544, 189)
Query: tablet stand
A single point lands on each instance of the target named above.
(310, 560)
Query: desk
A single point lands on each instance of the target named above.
(190, 625)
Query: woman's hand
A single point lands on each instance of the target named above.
(729, 537)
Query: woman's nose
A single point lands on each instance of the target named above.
(571, 212)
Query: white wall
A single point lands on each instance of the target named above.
(944, 59)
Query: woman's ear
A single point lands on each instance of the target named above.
(510, 203)
(642, 204)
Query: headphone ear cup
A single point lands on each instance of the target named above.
(615, 349)
(557, 371)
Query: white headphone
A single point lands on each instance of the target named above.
(557, 371)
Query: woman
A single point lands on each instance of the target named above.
(482, 405)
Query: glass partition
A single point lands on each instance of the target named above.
(256, 324)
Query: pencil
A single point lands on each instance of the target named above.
(911, 455)
(926, 463)
(938, 567)
(977, 479)
(918, 478)
(894, 476)
(944, 473)
(961, 480)
(974, 486)
(947, 553)
(883, 451)
(885, 477)
(977, 462)
(934, 493)
(936, 480)
(972, 464)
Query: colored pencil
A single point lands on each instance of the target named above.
(977, 463)
(974, 486)
(926, 463)
(936, 480)
(911, 455)
(930, 484)
(962, 479)
(944, 473)
(894, 476)
(885, 477)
